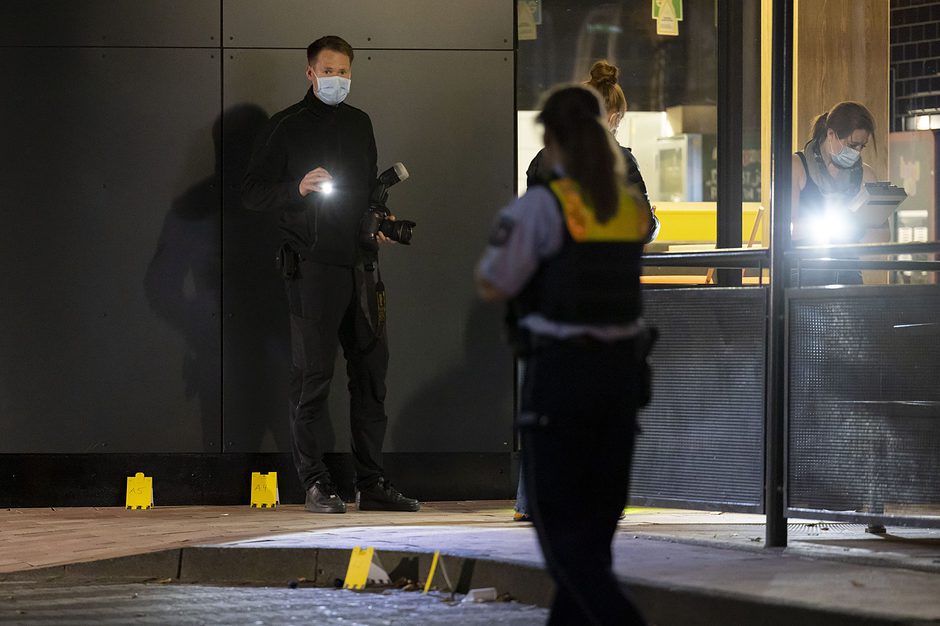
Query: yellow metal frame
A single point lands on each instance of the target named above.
(683, 222)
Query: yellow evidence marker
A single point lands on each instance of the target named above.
(358, 571)
(139, 492)
(264, 492)
(364, 568)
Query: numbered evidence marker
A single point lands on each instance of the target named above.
(364, 567)
(139, 492)
(264, 492)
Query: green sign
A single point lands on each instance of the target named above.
(667, 9)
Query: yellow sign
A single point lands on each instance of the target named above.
(357, 574)
(264, 493)
(365, 568)
(525, 20)
(668, 14)
(139, 492)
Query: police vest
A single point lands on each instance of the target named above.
(595, 276)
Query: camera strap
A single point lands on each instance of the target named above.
(380, 302)
(377, 322)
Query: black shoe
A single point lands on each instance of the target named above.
(322, 498)
(383, 497)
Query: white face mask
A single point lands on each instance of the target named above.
(846, 157)
(332, 89)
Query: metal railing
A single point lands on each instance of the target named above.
(863, 249)
(827, 257)
(725, 258)
(806, 257)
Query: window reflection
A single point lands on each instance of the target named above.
(670, 83)
(915, 120)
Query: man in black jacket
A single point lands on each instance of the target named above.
(315, 164)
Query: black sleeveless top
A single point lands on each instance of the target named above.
(813, 200)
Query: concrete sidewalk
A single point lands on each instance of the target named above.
(706, 580)
(683, 567)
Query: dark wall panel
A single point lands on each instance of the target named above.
(410, 24)
(179, 23)
(864, 403)
(112, 247)
(701, 443)
(109, 250)
(450, 380)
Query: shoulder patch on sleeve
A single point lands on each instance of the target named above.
(501, 231)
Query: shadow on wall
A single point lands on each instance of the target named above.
(447, 409)
(184, 286)
(255, 328)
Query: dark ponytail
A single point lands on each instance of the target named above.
(819, 126)
(572, 118)
(845, 118)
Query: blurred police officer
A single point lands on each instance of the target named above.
(604, 80)
(315, 164)
(567, 254)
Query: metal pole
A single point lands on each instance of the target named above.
(730, 135)
(781, 156)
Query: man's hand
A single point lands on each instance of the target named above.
(380, 237)
(313, 181)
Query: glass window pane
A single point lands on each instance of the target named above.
(887, 63)
(670, 83)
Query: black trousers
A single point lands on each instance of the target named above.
(331, 306)
(578, 423)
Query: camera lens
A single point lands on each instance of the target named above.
(398, 230)
(402, 233)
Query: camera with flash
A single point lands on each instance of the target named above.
(376, 219)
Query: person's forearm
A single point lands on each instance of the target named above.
(262, 195)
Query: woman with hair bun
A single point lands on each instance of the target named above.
(828, 174)
(604, 79)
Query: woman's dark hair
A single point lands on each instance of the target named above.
(844, 119)
(572, 119)
(330, 42)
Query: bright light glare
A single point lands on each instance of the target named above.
(326, 188)
(829, 227)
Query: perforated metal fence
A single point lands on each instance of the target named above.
(702, 439)
(864, 403)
